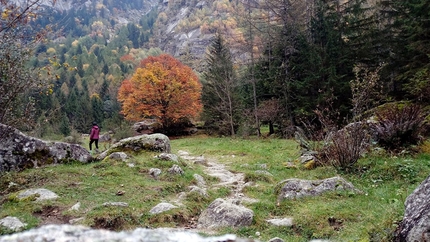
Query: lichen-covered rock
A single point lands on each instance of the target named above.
(78, 233)
(297, 188)
(175, 169)
(148, 142)
(12, 223)
(415, 225)
(222, 213)
(121, 156)
(19, 151)
(162, 207)
(167, 157)
(155, 172)
(40, 193)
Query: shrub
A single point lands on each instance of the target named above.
(344, 147)
(73, 138)
(398, 126)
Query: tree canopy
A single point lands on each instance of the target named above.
(162, 88)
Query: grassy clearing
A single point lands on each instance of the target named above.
(340, 216)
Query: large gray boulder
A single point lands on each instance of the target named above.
(78, 233)
(297, 188)
(19, 151)
(148, 142)
(415, 225)
(222, 213)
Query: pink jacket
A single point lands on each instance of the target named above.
(95, 131)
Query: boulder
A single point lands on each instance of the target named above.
(40, 193)
(145, 142)
(19, 151)
(147, 126)
(415, 225)
(12, 223)
(79, 233)
(222, 213)
(162, 207)
(296, 188)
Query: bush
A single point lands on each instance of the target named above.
(73, 138)
(339, 148)
(398, 126)
(344, 147)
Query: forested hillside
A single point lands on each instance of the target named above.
(285, 63)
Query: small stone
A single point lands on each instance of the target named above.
(75, 207)
(115, 204)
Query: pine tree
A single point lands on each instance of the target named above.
(409, 65)
(219, 95)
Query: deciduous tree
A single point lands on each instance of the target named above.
(17, 81)
(163, 88)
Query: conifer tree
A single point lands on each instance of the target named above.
(220, 94)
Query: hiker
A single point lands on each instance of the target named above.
(94, 136)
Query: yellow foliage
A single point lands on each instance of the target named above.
(75, 43)
(162, 17)
(309, 164)
(425, 147)
(51, 51)
(99, 6)
(5, 14)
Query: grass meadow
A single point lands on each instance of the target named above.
(385, 182)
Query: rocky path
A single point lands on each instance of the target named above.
(234, 181)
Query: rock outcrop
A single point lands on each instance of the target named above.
(77, 233)
(19, 151)
(296, 188)
(415, 225)
(151, 142)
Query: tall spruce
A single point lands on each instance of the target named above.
(409, 65)
(219, 94)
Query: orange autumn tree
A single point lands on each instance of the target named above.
(162, 88)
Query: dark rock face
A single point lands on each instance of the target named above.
(415, 225)
(19, 151)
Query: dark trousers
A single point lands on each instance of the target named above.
(96, 141)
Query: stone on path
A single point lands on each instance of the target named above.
(222, 213)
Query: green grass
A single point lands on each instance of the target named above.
(372, 215)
